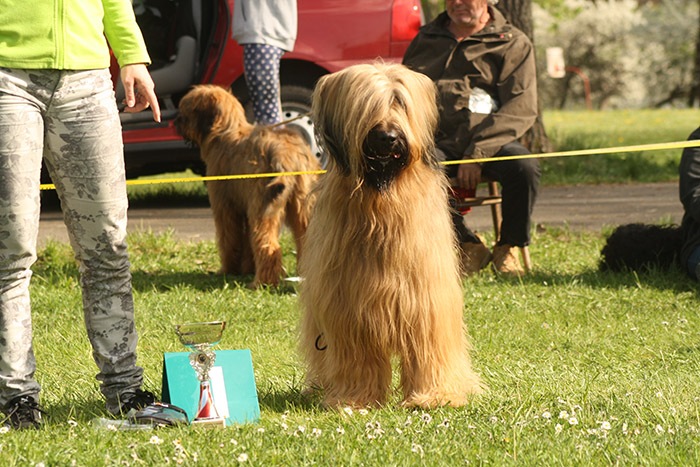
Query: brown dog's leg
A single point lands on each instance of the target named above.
(357, 375)
(247, 261)
(298, 212)
(264, 240)
(230, 234)
(440, 372)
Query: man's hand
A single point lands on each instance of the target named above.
(138, 90)
(468, 175)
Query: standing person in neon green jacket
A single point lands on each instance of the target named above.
(57, 104)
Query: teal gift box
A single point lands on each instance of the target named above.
(232, 385)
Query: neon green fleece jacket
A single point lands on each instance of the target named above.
(69, 34)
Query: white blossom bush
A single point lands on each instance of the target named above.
(633, 56)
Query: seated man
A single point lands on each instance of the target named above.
(485, 73)
(689, 191)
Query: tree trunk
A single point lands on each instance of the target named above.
(694, 95)
(519, 13)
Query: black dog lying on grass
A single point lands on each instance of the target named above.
(641, 247)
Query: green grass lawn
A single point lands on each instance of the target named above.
(575, 130)
(584, 368)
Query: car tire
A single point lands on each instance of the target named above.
(296, 108)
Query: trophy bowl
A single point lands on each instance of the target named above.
(201, 337)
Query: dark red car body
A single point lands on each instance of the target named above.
(332, 34)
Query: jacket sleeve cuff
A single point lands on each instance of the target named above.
(473, 152)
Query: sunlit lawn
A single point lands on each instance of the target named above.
(583, 368)
(574, 130)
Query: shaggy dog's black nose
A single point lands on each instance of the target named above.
(382, 142)
(386, 154)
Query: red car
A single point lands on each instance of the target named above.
(190, 43)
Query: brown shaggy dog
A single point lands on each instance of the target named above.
(248, 213)
(382, 276)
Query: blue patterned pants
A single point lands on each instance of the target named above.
(261, 63)
(70, 119)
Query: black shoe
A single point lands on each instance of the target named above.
(131, 401)
(23, 412)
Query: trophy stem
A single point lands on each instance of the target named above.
(206, 409)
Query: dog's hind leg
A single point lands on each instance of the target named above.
(231, 238)
(264, 240)
(298, 213)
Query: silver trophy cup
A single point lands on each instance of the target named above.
(202, 337)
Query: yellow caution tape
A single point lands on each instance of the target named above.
(582, 152)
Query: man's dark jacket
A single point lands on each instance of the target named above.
(500, 60)
(689, 190)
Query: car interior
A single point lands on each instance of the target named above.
(177, 35)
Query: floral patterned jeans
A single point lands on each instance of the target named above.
(70, 119)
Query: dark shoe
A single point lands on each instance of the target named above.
(23, 412)
(130, 401)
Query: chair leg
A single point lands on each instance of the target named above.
(495, 211)
(525, 253)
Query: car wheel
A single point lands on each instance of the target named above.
(296, 104)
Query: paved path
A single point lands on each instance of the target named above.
(580, 207)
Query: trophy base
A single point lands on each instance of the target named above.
(210, 422)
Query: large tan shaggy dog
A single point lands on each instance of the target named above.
(248, 213)
(380, 268)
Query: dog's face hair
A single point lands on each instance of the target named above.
(376, 120)
(207, 109)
